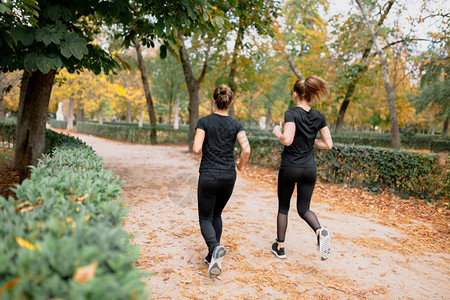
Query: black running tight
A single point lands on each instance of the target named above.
(214, 191)
(305, 178)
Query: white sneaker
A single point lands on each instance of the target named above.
(324, 243)
(215, 266)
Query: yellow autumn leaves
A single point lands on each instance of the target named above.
(86, 273)
(26, 244)
(81, 275)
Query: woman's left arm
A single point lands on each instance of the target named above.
(287, 137)
(198, 141)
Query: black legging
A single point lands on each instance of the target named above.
(214, 191)
(306, 180)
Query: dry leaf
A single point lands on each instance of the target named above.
(82, 198)
(23, 204)
(84, 274)
(25, 244)
(12, 283)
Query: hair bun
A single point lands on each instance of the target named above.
(223, 92)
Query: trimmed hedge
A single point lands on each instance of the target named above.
(52, 139)
(59, 124)
(7, 132)
(67, 216)
(133, 134)
(440, 146)
(405, 172)
(377, 140)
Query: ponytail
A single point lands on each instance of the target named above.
(223, 96)
(311, 88)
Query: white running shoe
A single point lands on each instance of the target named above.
(215, 266)
(324, 243)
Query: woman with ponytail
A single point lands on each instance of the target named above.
(215, 137)
(298, 166)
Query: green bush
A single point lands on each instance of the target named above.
(52, 139)
(440, 146)
(74, 221)
(7, 132)
(59, 124)
(409, 141)
(405, 172)
(133, 134)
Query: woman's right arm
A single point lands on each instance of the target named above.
(245, 153)
(198, 141)
(326, 142)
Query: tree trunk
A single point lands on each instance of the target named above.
(147, 92)
(361, 70)
(2, 96)
(268, 117)
(171, 100)
(176, 117)
(141, 120)
(31, 121)
(128, 111)
(233, 66)
(445, 129)
(395, 130)
(70, 114)
(80, 112)
(23, 92)
(100, 116)
(2, 107)
(287, 55)
(193, 87)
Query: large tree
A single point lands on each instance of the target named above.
(59, 36)
(355, 71)
(247, 17)
(193, 83)
(395, 129)
(435, 85)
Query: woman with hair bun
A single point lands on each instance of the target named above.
(298, 166)
(215, 137)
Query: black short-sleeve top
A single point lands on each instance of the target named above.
(307, 123)
(218, 145)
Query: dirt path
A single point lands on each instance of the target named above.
(159, 186)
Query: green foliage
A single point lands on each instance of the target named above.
(61, 36)
(7, 132)
(74, 220)
(435, 83)
(409, 141)
(440, 145)
(57, 124)
(404, 172)
(134, 134)
(54, 140)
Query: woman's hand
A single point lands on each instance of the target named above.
(277, 130)
(287, 137)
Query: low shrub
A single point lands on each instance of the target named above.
(58, 124)
(404, 172)
(66, 220)
(440, 146)
(409, 141)
(133, 134)
(7, 132)
(52, 139)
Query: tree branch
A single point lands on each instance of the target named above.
(205, 63)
